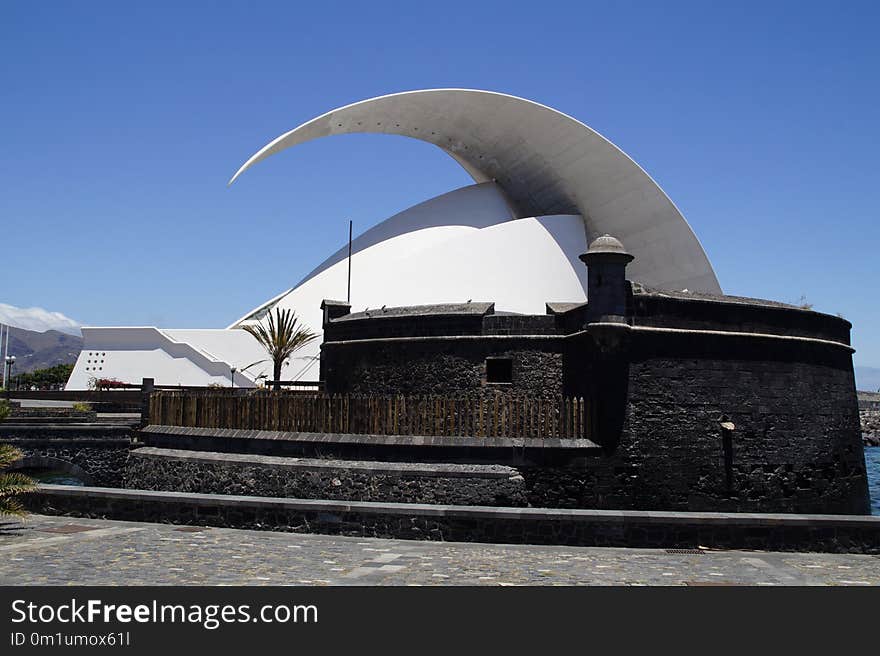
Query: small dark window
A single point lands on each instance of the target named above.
(499, 370)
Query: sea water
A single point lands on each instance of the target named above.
(53, 477)
(872, 464)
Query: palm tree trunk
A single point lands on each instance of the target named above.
(277, 375)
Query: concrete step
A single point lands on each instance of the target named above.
(206, 472)
(65, 441)
(49, 419)
(71, 421)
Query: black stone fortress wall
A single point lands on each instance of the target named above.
(699, 402)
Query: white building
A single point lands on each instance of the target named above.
(545, 186)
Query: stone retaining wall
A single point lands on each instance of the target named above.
(832, 533)
(97, 454)
(178, 470)
(96, 462)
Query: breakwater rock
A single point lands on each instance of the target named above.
(870, 427)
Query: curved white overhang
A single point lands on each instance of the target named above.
(546, 163)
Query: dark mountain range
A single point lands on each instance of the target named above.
(33, 350)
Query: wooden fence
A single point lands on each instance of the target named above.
(498, 416)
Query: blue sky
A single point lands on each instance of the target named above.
(120, 124)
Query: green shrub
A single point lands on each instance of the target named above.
(12, 484)
(50, 378)
(82, 407)
(4, 409)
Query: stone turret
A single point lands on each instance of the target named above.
(333, 310)
(606, 261)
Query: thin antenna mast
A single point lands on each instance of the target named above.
(348, 295)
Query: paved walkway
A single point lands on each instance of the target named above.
(61, 550)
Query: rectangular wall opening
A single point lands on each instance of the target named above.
(499, 370)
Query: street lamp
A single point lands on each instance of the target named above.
(10, 362)
(232, 370)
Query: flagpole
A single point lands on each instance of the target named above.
(348, 295)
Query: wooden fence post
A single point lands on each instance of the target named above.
(147, 385)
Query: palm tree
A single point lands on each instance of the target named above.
(281, 338)
(12, 483)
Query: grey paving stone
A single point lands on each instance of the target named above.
(41, 551)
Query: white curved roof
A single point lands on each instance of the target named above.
(545, 162)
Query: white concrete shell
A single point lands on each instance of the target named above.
(546, 186)
(544, 161)
(462, 245)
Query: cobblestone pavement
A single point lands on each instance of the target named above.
(46, 550)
